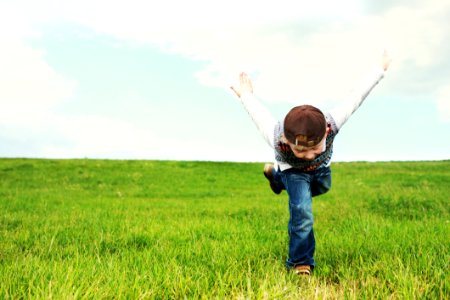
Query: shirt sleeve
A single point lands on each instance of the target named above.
(261, 116)
(342, 112)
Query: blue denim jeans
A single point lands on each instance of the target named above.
(301, 187)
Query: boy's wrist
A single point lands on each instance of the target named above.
(246, 94)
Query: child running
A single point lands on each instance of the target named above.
(303, 146)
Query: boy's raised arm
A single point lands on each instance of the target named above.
(342, 112)
(260, 115)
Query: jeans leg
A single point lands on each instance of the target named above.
(321, 182)
(300, 228)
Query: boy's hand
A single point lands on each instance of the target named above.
(385, 60)
(245, 85)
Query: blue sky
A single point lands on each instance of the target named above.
(150, 80)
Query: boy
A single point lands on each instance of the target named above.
(303, 145)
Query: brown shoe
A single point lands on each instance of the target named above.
(268, 173)
(302, 270)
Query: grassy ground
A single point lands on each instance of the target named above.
(74, 229)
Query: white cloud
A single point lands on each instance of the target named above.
(96, 136)
(269, 39)
(323, 64)
(291, 63)
(417, 33)
(29, 86)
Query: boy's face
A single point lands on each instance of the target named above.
(309, 153)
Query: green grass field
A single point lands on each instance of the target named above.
(72, 229)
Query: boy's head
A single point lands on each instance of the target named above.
(305, 126)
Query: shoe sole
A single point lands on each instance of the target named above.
(274, 188)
